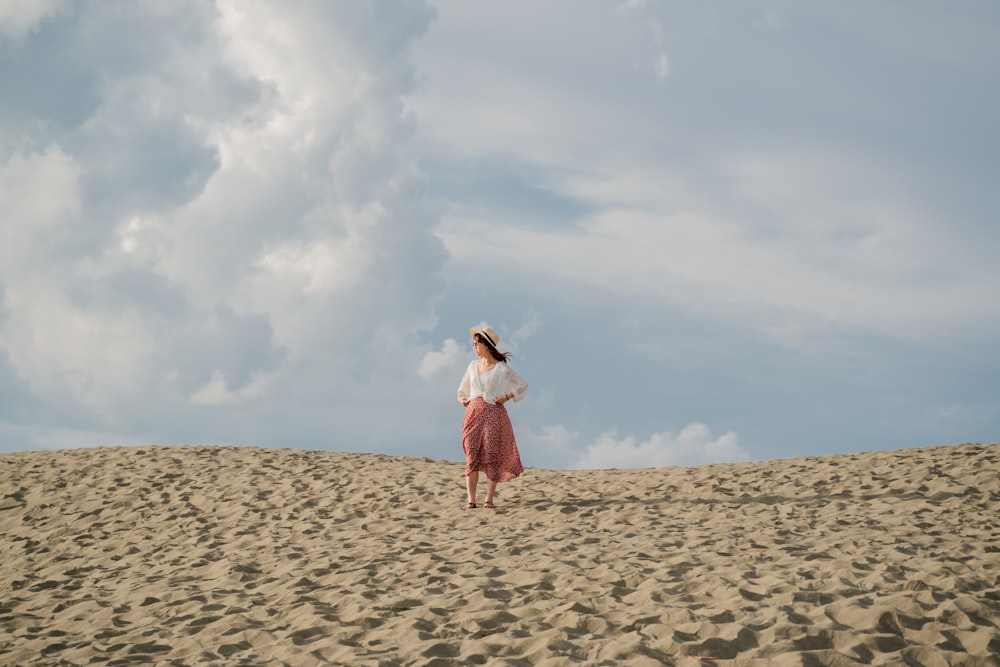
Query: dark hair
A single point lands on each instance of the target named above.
(497, 354)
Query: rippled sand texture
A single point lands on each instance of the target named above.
(185, 555)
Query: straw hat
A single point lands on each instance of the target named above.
(486, 332)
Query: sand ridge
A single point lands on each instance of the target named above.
(240, 555)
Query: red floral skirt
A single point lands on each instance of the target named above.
(488, 442)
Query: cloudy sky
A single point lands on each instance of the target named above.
(707, 231)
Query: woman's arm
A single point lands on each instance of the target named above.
(517, 388)
(464, 388)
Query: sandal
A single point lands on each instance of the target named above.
(469, 506)
(488, 505)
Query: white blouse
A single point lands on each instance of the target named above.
(493, 383)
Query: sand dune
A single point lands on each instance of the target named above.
(192, 555)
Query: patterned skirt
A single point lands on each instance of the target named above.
(488, 442)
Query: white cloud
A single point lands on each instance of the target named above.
(789, 198)
(662, 65)
(18, 17)
(313, 266)
(528, 328)
(694, 445)
(793, 268)
(631, 5)
(552, 446)
(533, 96)
(451, 356)
(217, 392)
(234, 207)
(64, 351)
(40, 192)
(772, 20)
(60, 348)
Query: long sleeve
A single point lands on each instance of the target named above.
(515, 383)
(465, 387)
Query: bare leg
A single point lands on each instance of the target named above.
(491, 486)
(471, 482)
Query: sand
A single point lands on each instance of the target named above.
(248, 556)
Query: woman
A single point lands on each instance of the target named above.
(487, 435)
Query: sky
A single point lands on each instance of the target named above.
(708, 232)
